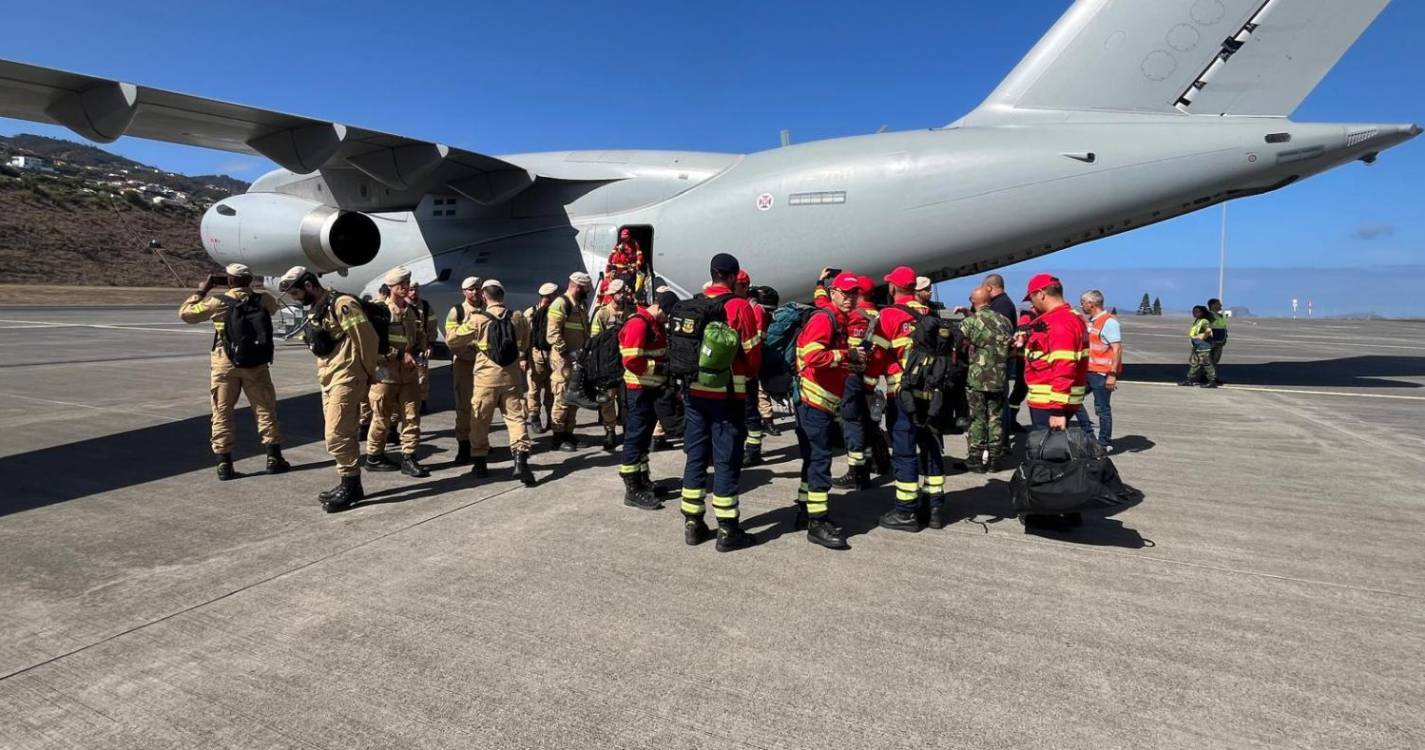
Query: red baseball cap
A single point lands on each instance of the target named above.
(866, 284)
(742, 277)
(1040, 281)
(846, 282)
(903, 277)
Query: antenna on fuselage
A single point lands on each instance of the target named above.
(786, 137)
(882, 129)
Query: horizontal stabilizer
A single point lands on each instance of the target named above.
(1169, 57)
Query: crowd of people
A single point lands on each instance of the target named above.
(877, 371)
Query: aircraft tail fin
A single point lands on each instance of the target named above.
(1215, 57)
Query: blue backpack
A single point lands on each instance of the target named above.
(779, 352)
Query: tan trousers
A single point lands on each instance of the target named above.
(538, 396)
(510, 401)
(225, 385)
(341, 408)
(395, 399)
(423, 376)
(764, 404)
(462, 373)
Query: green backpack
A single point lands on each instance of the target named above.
(719, 348)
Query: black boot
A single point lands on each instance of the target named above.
(900, 520)
(822, 531)
(225, 467)
(276, 464)
(564, 441)
(479, 468)
(381, 462)
(652, 486)
(855, 478)
(412, 468)
(522, 471)
(936, 519)
(462, 452)
(661, 443)
(344, 495)
(393, 435)
(611, 442)
(425, 409)
(975, 461)
(752, 455)
(731, 537)
(326, 495)
(802, 520)
(635, 495)
(769, 427)
(695, 531)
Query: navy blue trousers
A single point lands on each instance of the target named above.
(713, 435)
(639, 418)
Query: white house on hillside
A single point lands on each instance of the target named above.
(30, 163)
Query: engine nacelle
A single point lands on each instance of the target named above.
(271, 232)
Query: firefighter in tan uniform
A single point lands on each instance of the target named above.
(608, 316)
(567, 330)
(499, 380)
(426, 317)
(462, 365)
(398, 389)
(538, 398)
(345, 344)
(227, 381)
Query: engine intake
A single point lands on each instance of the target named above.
(271, 232)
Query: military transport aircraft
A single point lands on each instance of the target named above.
(1126, 113)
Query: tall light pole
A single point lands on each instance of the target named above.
(1222, 260)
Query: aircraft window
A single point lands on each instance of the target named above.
(444, 275)
(226, 210)
(817, 199)
(1279, 138)
(450, 212)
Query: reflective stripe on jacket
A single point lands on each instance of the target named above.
(643, 346)
(821, 360)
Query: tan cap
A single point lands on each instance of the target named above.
(548, 288)
(398, 275)
(581, 278)
(238, 269)
(290, 278)
(616, 286)
(492, 283)
(470, 282)
(922, 283)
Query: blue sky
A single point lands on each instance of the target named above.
(511, 77)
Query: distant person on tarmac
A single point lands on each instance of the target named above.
(1219, 333)
(1105, 362)
(1201, 370)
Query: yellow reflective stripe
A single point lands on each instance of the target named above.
(881, 341)
(802, 492)
(818, 395)
(573, 325)
(814, 346)
(907, 491)
(752, 343)
(630, 351)
(353, 321)
(397, 337)
(854, 341)
(649, 380)
(901, 342)
(753, 438)
(1069, 355)
(725, 506)
(690, 493)
(692, 509)
(816, 503)
(855, 458)
(934, 480)
(629, 469)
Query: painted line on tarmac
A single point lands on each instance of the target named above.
(52, 324)
(1295, 391)
(90, 406)
(1284, 341)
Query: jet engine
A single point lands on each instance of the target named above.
(271, 232)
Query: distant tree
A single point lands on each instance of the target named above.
(1157, 306)
(1145, 307)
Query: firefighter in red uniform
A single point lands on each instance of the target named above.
(891, 339)
(752, 446)
(825, 361)
(625, 262)
(643, 345)
(1056, 360)
(714, 427)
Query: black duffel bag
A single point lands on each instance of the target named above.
(1065, 471)
(581, 392)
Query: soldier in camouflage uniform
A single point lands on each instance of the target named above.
(990, 336)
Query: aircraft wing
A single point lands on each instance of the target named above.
(102, 110)
(1212, 57)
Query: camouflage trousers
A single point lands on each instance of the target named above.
(986, 418)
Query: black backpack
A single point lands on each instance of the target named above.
(1065, 471)
(379, 314)
(686, 323)
(928, 373)
(602, 360)
(500, 344)
(247, 333)
(539, 328)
